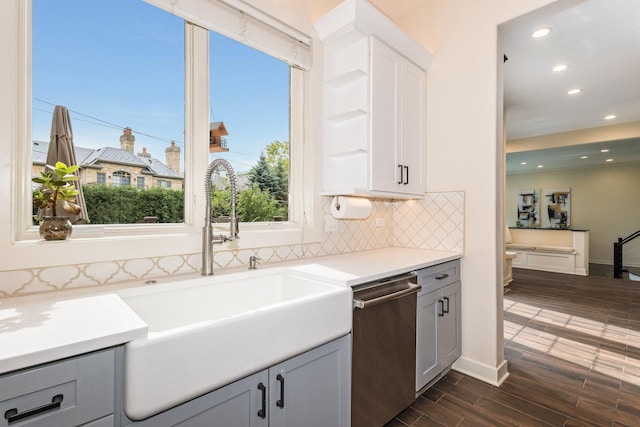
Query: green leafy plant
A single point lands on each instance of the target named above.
(56, 189)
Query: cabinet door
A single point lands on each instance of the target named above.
(427, 367)
(235, 405)
(385, 132)
(412, 129)
(313, 389)
(449, 340)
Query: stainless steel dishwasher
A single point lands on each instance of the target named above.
(384, 350)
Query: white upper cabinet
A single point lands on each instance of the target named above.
(374, 105)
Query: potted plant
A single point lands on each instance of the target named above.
(56, 191)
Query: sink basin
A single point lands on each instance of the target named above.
(208, 332)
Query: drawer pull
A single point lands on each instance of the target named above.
(12, 415)
(442, 276)
(262, 413)
(280, 402)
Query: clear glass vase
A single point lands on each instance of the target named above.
(55, 228)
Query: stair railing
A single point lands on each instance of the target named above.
(617, 253)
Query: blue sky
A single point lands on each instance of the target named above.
(119, 63)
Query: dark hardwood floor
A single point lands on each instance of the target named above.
(573, 348)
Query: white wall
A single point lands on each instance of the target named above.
(604, 200)
(463, 127)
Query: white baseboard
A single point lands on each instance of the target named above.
(494, 375)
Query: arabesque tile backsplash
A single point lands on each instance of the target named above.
(435, 222)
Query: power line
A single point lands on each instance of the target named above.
(109, 124)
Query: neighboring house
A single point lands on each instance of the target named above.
(120, 166)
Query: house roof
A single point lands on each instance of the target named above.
(88, 158)
(218, 129)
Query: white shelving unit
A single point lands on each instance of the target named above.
(374, 104)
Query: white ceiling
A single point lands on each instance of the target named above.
(600, 41)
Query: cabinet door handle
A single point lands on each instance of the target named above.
(406, 175)
(280, 402)
(12, 415)
(401, 174)
(262, 413)
(442, 276)
(446, 310)
(440, 308)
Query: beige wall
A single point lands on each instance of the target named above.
(605, 200)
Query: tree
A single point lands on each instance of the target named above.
(278, 154)
(264, 176)
(256, 205)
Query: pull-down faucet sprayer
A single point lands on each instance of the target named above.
(208, 239)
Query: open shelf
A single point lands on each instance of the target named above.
(347, 115)
(346, 78)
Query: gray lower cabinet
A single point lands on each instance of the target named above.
(438, 322)
(311, 390)
(79, 391)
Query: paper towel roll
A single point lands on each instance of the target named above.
(350, 207)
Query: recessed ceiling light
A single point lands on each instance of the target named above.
(541, 32)
(609, 160)
(574, 91)
(604, 150)
(610, 117)
(584, 157)
(523, 163)
(540, 166)
(560, 67)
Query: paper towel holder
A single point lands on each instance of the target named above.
(338, 203)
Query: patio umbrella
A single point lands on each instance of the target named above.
(61, 150)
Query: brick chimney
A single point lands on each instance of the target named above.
(127, 140)
(173, 157)
(144, 153)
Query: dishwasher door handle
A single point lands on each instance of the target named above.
(412, 289)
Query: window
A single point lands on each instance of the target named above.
(140, 182)
(254, 123)
(122, 80)
(141, 139)
(121, 178)
(163, 183)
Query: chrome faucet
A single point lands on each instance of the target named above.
(208, 238)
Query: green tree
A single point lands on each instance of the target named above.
(278, 154)
(256, 205)
(264, 176)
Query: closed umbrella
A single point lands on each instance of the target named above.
(61, 150)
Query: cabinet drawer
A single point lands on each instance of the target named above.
(66, 393)
(432, 278)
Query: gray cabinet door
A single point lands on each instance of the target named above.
(449, 340)
(314, 388)
(427, 367)
(235, 405)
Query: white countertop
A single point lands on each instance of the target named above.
(361, 267)
(46, 327)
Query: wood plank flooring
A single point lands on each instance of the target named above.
(573, 348)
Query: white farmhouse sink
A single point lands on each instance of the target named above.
(207, 332)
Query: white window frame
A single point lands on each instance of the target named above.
(160, 239)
